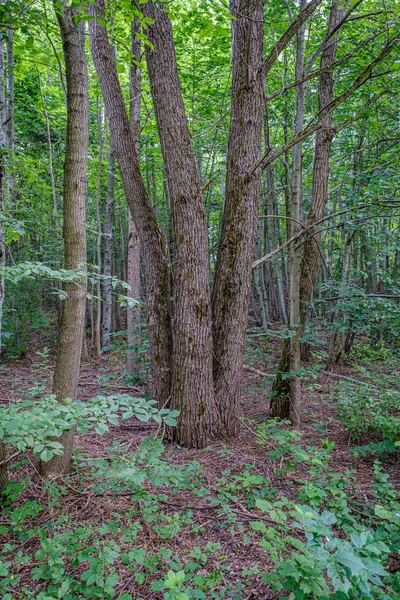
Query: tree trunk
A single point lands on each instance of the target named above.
(108, 244)
(3, 467)
(100, 132)
(10, 116)
(230, 300)
(154, 251)
(133, 253)
(52, 179)
(286, 400)
(2, 182)
(192, 382)
(323, 143)
(66, 374)
(338, 338)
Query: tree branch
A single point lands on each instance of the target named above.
(288, 35)
(269, 158)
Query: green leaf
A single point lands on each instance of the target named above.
(46, 455)
(349, 560)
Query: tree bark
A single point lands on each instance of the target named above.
(192, 378)
(323, 143)
(230, 300)
(66, 373)
(3, 467)
(286, 399)
(100, 132)
(133, 253)
(108, 244)
(10, 116)
(154, 251)
(2, 181)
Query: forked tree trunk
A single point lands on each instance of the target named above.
(192, 379)
(230, 300)
(154, 251)
(66, 373)
(133, 254)
(323, 143)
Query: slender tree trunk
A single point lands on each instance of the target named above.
(108, 244)
(100, 132)
(3, 467)
(154, 251)
(258, 278)
(3, 454)
(2, 181)
(50, 144)
(230, 301)
(319, 192)
(10, 116)
(133, 253)
(66, 374)
(192, 378)
(338, 338)
(286, 399)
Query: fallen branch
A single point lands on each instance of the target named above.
(350, 379)
(258, 372)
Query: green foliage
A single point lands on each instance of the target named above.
(371, 409)
(372, 317)
(31, 425)
(333, 548)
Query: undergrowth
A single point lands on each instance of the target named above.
(302, 532)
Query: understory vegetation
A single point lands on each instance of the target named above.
(279, 513)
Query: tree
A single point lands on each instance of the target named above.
(192, 381)
(133, 250)
(66, 373)
(230, 300)
(323, 143)
(154, 251)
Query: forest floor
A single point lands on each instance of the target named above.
(212, 514)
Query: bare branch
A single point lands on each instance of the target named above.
(288, 35)
(321, 71)
(268, 158)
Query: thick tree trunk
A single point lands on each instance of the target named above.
(133, 253)
(319, 192)
(230, 301)
(192, 379)
(154, 252)
(66, 374)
